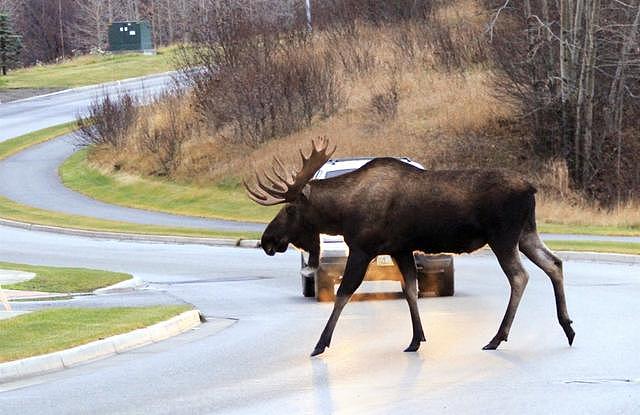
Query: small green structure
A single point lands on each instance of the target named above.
(131, 36)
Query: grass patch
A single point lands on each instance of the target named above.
(596, 246)
(63, 280)
(22, 213)
(588, 229)
(48, 331)
(221, 201)
(89, 70)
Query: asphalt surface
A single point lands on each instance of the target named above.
(31, 114)
(31, 178)
(260, 363)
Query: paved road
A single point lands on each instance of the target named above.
(260, 363)
(31, 177)
(24, 116)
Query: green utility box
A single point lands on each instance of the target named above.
(131, 36)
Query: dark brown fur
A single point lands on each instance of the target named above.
(390, 207)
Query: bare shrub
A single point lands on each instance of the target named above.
(107, 121)
(353, 48)
(164, 137)
(259, 82)
(329, 13)
(384, 104)
(441, 45)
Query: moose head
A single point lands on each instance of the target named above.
(292, 223)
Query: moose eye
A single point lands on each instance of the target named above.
(291, 210)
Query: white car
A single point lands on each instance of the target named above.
(320, 275)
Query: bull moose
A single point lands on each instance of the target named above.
(390, 207)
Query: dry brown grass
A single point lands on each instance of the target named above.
(441, 120)
(582, 213)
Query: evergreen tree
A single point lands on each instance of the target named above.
(10, 45)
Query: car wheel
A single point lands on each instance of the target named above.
(324, 286)
(308, 286)
(435, 275)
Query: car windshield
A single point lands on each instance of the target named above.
(335, 173)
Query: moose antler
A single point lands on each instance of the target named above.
(287, 184)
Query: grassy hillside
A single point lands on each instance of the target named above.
(404, 89)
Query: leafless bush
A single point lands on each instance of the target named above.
(353, 49)
(329, 13)
(257, 80)
(384, 104)
(107, 121)
(440, 45)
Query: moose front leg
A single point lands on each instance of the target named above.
(354, 272)
(407, 266)
(510, 263)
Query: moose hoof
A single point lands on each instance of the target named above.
(569, 333)
(494, 343)
(413, 347)
(318, 350)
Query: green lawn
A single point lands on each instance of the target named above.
(89, 70)
(51, 330)
(588, 230)
(22, 213)
(221, 201)
(596, 246)
(63, 280)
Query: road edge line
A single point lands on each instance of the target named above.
(99, 349)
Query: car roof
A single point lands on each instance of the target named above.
(354, 163)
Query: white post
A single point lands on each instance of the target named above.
(307, 6)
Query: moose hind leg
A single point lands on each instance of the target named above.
(407, 266)
(354, 272)
(510, 263)
(539, 254)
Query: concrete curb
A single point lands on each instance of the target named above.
(135, 237)
(122, 286)
(38, 365)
